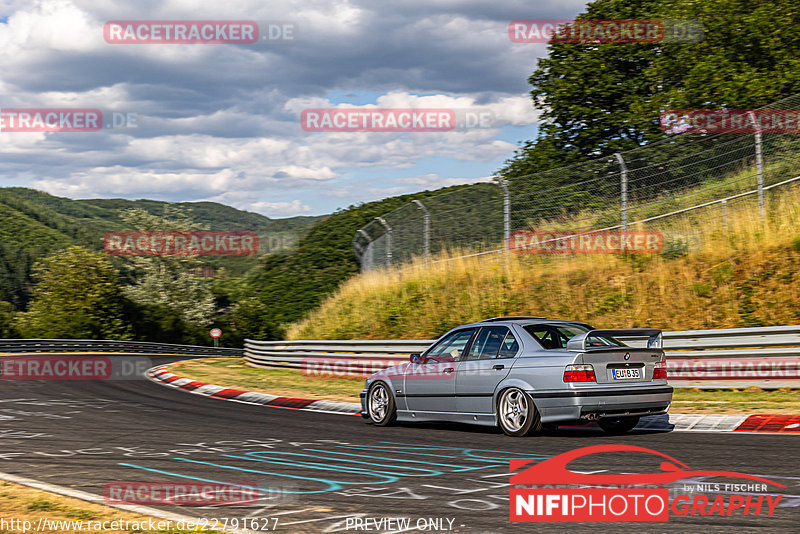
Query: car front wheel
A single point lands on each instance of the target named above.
(516, 413)
(380, 405)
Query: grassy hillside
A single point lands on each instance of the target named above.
(34, 224)
(286, 287)
(742, 274)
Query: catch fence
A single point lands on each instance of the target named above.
(649, 199)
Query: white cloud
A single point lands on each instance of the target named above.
(279, 209)
(434, 181)
(221, 122)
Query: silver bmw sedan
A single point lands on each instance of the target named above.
(525, 373)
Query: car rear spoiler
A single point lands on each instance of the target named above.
(653, 337)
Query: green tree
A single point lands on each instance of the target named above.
(597, 99)
(77, 297)
(166, 280)
(7, 327)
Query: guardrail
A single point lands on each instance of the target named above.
(766, 357)
(105, 345)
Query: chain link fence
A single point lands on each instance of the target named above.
(666, 187)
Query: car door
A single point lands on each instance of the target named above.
(487, 362)
(430, 386)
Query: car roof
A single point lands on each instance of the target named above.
(524, 321)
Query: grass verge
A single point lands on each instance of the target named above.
(233, 373)
(47, 512)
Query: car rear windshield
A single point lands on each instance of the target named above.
(555, 336)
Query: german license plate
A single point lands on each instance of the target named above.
(625, 374)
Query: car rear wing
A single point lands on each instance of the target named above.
(582, 342)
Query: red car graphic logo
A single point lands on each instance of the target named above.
(554, 470)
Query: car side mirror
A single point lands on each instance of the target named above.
(415, 358)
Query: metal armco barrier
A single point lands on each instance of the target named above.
(104, 345)
(767, 357)
(332, 357)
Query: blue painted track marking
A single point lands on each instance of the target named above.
(457, 467)
(178, 475)
(430, 472)
(329, 467)
(334, 485)
(360, 467)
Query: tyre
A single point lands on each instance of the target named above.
(618, 425)
(516, 413)
(380, 405)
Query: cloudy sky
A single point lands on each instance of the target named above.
(221, 122)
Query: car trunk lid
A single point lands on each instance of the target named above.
(614, 362)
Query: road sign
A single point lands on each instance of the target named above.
(215, 332)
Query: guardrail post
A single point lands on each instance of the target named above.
(426, 228)
(388, 240)
(759, 166)
(506, 212)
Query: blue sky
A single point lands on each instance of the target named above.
(220, 122)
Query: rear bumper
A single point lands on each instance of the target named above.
(592, 403)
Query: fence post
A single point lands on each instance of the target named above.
(725, 214)
(369, 260)
(506, 211)
(759, 166)
(623, 189)
(426, 228)
(388, 240)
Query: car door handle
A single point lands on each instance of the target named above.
(447, 370)
(498, 367)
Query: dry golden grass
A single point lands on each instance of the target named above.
(42, 509)
(743, 273)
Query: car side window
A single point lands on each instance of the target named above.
(548, 338)
(488, 343)
(451, 348)
(510, 347)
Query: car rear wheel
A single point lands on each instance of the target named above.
(516, 413)
(380, 405)
(618, 425)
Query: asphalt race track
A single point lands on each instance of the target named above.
(316, 470)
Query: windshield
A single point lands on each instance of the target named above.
(555, 336)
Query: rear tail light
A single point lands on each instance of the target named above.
(660, 370)
(579, 373)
